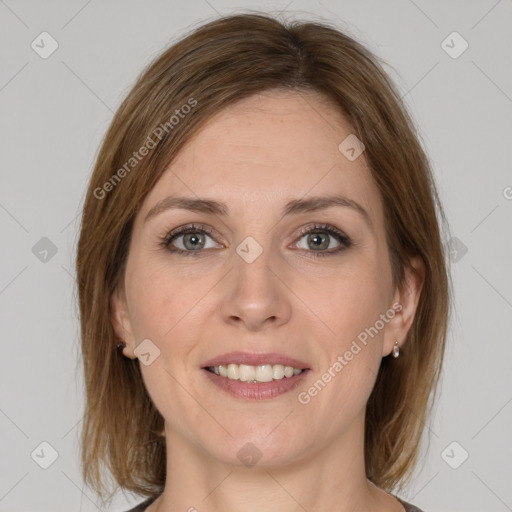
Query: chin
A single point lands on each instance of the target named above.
(258, 449)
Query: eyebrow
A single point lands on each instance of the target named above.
(293, 207)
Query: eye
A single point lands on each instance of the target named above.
(320, 238)
(188, 239)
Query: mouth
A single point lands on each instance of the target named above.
(255, 376)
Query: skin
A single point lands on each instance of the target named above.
(255, 156)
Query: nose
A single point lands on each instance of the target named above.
(255, 297)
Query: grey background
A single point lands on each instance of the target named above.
(54, 113)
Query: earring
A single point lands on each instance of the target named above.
(396, 350)
(121, 345)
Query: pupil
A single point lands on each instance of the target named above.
(317, 240)
(194, 238)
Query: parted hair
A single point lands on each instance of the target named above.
(213, 66)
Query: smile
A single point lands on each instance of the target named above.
(255, 376)
(260, 373)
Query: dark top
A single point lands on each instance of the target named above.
(142, 506)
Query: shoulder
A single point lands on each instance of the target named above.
(408, 506)
(141, 507)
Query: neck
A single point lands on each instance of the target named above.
(197, 482)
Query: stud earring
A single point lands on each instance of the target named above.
(120, 346)
(396, 350)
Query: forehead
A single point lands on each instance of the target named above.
(270, 147)
(274, 128)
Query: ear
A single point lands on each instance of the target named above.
(121, 321)
(405, 302)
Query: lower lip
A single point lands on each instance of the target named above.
(256, 390)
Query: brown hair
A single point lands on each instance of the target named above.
(214, 66)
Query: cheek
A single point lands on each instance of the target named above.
(165, 303)
(153, 293)
(355, 306)
(352, 353)
(352, 303)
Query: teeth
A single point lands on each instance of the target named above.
(264, 373)
(261, 373)
(278, 371)
(233, 371)
(246, 372)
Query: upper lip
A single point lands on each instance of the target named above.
(255, 360)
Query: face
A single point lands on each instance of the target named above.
(265, 278)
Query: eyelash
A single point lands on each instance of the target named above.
(344, 240)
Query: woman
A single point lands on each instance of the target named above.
(260, 232)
